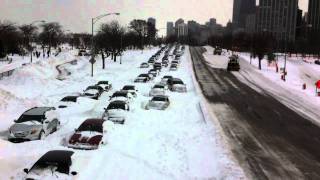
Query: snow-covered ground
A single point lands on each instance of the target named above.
(177, 143)
(269, 81)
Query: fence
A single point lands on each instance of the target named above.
(6, 74)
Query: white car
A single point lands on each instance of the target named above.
(157, 89)
(106, 85)
(177, 85)
(131, 89)
(121, 96)
(34, 124)
(67, 101)
(116, 111)
(158, 103)
(92, 93)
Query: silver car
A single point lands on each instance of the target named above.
(157, 89)
(34, 124)
(158, 102)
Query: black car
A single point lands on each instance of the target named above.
(157, 66)
(58, 162)
(143, 78)
(317, 62)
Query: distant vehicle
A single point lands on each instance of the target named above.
(92, 93)
(106, 85)
(143, 78)
(164, 80)
(165, 64)
(83, 52)
(175, 62)
(173, 67)
(157, 89)
(88, 136)
(122, 96)
(35, 123)
(151, 61)
(153, 72)
(158, 102)
(233, 64)
(177, 85)
(67, 101)
(116, 111)
(217, 51)
(56, 164)
(177, 57)
(157, 66)
(131, 89)
(317, 62)
(144, 65)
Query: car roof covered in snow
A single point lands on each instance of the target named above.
(59, 158)
(37, 111)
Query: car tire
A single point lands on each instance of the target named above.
(41, 135)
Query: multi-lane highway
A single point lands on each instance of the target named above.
(270, 140)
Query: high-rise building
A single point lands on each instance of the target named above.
(278, 17)
(170, 29)
(314, 14)
(241, 9)
(182, 30)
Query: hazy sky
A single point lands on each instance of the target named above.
(76, 15)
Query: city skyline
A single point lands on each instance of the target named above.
(76, 15)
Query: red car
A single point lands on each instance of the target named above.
(88, 136)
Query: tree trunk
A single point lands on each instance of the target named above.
(103, 60)
(115, 58)
(260, 64)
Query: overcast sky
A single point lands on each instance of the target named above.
(76, 15)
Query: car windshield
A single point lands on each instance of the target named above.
(103, 82)
(143, 75)
(116, 106)
(26, 118)
(177, 82)
(69, 99)
(158, 86)
(90, 127)
(119, 94)
(128, 88)
(159, 98)
(92, 87)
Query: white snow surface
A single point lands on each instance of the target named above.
(177, 143)
(268, 81)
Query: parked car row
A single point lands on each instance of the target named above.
(38, 122)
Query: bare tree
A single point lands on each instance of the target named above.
(28, 31)
(109, 39)
(51, 35)
(10, 39)
(141, 28)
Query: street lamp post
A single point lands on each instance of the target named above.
(93, 21)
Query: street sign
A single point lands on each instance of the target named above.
(92, 61)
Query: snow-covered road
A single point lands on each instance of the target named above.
(270, 136)
(173, 144)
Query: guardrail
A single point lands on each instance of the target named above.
(6, 73)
